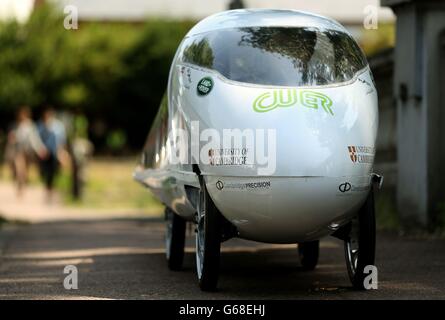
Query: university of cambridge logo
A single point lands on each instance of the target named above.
(361, 154)
(352, 153)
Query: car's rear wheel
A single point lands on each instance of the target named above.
(174, 239)
(360, 243)
(308, 252)
(208, 241)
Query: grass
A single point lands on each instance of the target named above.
(388, 219)
(109, 184)
(386, 210)
(2, 221)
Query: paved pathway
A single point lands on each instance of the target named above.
(124, 259)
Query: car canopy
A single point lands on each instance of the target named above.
(277, 56)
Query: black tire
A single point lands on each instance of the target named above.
(174, 240)
(308, 252)
(361, 237)
(208, 242)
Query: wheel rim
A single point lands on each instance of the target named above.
(168, 234)
(353, 246)
(200, 234)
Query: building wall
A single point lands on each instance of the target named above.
(382, 65)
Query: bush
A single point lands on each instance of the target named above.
(115, 73)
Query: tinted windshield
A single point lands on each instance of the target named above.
(281, 56)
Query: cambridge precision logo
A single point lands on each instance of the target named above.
(219, 185)
(344, 187)
(289, 97)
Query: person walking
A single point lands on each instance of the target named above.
(53, 135)
(23, 145)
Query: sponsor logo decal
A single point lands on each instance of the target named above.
(219, 185)
(361, 154)
(228, 157)
(344, 187)
(285, 98)
(262, 185)
(205, 85)
(347, 187)
(186, 77)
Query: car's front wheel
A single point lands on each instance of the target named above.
(208, 241)
(360, 243)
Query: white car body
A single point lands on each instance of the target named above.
(324, 150)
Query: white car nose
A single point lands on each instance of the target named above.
(287, 209)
